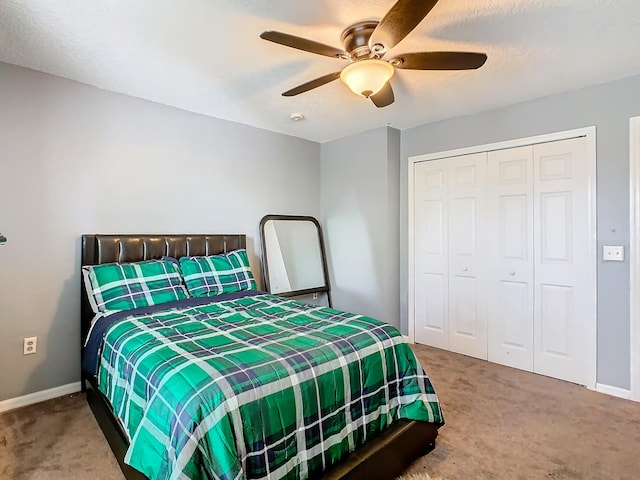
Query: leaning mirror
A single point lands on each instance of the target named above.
(293, 255)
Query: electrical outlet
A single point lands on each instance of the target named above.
(29, 345)
(314, 295)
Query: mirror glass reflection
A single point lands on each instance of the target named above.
(293, 255)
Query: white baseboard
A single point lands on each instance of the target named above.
(13, 403)
(613, 391)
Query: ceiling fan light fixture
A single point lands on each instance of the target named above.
(367, 77)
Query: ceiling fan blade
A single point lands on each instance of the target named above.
(302, 44)
(403, 17)
(384, 97)
(439, 61)
(305, 87)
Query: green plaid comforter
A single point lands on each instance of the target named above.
(258, 387)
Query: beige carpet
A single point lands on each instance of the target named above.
(501, 424)
(417, 476)
(55, 440)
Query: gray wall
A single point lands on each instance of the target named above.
(360, 202)
(609, 108)
(75, 159)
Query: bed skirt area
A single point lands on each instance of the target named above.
(381, 458)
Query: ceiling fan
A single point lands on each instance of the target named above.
(365, 44)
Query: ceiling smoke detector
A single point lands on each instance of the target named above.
(296, 117)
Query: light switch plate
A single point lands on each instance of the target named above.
(612, 253)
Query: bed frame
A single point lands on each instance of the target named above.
(381, 458)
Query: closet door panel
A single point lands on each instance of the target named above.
(562, 313)
(509, 231)
(515, 308)
(467, 258)
(503, 266)
(556, 303)
(431, 254)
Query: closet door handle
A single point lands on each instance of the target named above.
(465, 269)
(512, 273)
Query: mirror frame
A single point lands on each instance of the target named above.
(265, 263)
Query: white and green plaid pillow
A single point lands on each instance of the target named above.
(113, 287)
(217, 274)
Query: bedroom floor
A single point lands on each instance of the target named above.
(501, 424)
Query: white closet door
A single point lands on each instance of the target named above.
(562, 313)
(431, 254)
(467, 255)
(510, 257)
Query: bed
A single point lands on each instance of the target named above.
(380, 451)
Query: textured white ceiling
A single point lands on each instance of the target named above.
(206, 55)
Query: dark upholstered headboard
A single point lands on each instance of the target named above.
(98, 249)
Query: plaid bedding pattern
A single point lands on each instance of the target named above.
(260, 387)
(115, 287)
(217, 274)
